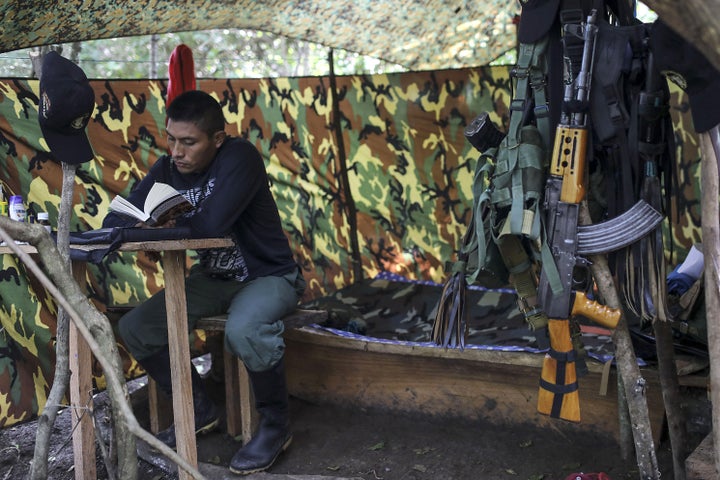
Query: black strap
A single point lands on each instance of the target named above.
(565, 357)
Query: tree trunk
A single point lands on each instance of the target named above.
(46, 419)
(667, 370)
(89, 322)
(709, 144)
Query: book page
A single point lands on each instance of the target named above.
(162, 203)
(159, 193)
(121, 205)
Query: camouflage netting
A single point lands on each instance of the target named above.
(410, 172)
(427, 35)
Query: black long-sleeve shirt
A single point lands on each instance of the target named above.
(231, 198)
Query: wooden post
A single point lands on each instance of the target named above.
(80, 360)
(179, 342)
(160, 407)
(709, 143)
(344, 180)
(239, 400)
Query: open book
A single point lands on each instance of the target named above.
(163, 203)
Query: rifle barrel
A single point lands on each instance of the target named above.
(584, 77)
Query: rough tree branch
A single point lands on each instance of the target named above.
(90, 322)
(631, 379)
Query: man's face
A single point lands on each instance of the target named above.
(192, 149)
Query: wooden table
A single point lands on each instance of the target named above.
(173, 261)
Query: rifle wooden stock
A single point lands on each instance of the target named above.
(558, 395)
(602, 314)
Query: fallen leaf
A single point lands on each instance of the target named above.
(510, 471)
(420, 468)
(525, 444)
(215, 460)
(377, 446)
(423, 451)
(333, 468)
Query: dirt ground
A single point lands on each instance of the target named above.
(342, 442)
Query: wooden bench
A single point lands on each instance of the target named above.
(239, 401)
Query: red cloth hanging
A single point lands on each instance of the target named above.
(181, 72)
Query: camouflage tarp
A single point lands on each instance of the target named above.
(420, 35)
(393, 309)
(410, 172)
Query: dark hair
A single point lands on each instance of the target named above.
(197, 107)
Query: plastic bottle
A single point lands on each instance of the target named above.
(17, 208)
(44, 219)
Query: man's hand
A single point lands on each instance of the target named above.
(152, 255)
(168, 224)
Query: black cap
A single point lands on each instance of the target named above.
(685, 66)
(536, 18)
(66, 103)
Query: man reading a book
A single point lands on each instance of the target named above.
(256, 281)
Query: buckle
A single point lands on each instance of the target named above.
(517, 105)
(542, 111)
(571, 15)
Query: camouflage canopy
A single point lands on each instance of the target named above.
(419, 35)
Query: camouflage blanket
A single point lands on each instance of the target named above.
(391, 308)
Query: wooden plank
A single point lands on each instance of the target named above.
(173, 264)
(81, 390)
(162, 245)
(424, 380)
(298, 318)
(157, 245)
(23, 247)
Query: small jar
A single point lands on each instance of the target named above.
(44, 219)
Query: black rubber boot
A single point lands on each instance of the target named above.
(273, 435)
(207, 417)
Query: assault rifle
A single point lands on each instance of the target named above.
(568, 242)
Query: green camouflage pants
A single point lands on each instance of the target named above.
(255, 308)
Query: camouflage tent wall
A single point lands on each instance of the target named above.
(409, 167)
